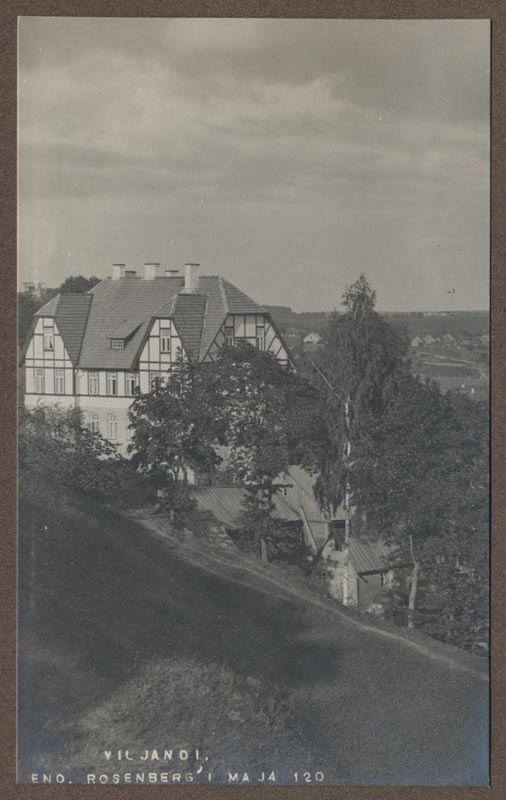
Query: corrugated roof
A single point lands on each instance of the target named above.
(189, 318)
(368, 555)
(227, 505)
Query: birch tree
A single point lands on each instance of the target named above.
(361, 352)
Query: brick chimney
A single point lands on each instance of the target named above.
(191, 277)
(151, 270)
(118, 271)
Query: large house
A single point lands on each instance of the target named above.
(93, 351)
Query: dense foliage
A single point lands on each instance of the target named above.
(57, 450)
(414, 461)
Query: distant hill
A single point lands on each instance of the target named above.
(304, 321)
(417, 322)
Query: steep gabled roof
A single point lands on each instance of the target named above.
(49, 310)
(125, 309)
(70, 312)
(114, 302)
(189, 319)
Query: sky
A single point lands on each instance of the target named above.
(288, 156)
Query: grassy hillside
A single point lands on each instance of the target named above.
(125, 642)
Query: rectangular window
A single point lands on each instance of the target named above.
(39, 381)
(112, 427)
(129, 431)
(229, 333)
(154, 380)
(59, 381)
(94, 423)
(165, 340)
(92, 382)
(112, 383)
(131, 382)
(48, 339)
(117, 344)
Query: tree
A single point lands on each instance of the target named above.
(78, 284)
(253, 386)
(421, 473)
(361, 352)
(175, 429)
(56, 448)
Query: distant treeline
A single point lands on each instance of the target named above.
(471, 323)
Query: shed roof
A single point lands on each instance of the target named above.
(227, 505)
(367, 554)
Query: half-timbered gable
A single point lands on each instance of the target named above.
(97, 350)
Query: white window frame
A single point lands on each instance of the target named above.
(49, 339)
(94, 422)
(112, 427)
(112, 380)
(117, 344)
(164, 340)
(93, 375)
(39, 380)
(59, 380)
(129, 377)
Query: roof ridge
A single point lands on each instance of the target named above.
(221, 284)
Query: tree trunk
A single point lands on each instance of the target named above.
(263, 550)
(414, 586)
(347, 506)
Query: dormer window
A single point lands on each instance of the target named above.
(117, 344)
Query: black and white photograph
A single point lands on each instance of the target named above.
(253, 401)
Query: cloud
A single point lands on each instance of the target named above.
(305, 117)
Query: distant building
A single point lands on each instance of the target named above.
(416, 342)
(485, 339)
(447, 338)
(34, 288)
(313, 338)
(428, 339)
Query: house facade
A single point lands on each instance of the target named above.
(95, 351)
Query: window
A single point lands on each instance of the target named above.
(229, 333)
(165, 340)
(48, 339)
(260, 343)
(112, 383)
(131, 382)
(117, 344)
(154, 380)
(94, 423)
(112, 427)
(59, 381)
(129, 431)
(92, 382)
(39, 381)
